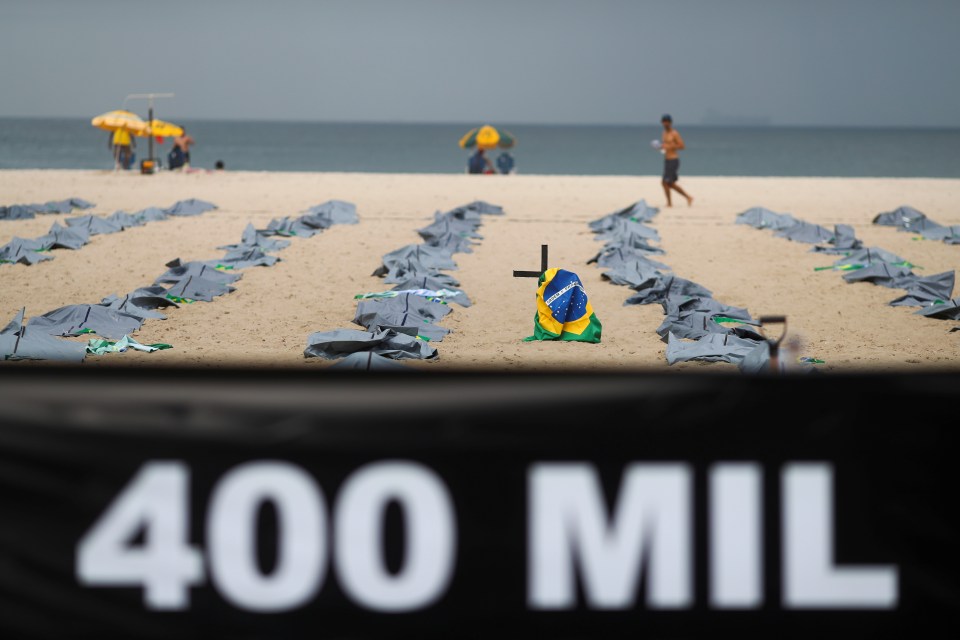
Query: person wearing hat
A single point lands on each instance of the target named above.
(670, 144)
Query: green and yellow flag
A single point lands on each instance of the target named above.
(563, 311)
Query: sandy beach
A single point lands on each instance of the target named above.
(266, 320)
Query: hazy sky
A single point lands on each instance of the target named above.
(796, 62)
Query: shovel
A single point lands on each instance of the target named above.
(774, 342)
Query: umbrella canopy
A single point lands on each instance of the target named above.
(121, 119)
(160, 129)
(487, 137)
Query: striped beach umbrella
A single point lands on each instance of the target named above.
(487, 137)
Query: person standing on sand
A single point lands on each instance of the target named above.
(122, 144)
(670, 144)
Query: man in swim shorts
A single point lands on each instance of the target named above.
(670, 144)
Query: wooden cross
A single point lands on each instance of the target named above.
(534, 274)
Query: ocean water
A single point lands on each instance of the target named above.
(551, 150)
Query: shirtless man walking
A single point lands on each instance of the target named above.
(670, 144)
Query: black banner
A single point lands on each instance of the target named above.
(189, 504)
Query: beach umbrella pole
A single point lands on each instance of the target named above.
(150, 138)
(149, 97)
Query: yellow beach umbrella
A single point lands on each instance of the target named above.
(161, 129)
(120, 119)
(487, 137)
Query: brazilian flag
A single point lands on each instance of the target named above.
(563, 311)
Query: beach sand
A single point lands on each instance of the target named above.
(266, 321)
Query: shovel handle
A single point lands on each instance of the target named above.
(774, 343)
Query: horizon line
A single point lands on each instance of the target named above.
(474, 123)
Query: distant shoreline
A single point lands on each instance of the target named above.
(761, 122)
(726, 150)
(481, 179)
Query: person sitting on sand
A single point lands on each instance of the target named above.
(669, 145)
(479, 163)
(179, 156)
(505, 163)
